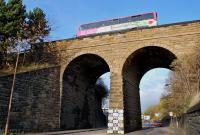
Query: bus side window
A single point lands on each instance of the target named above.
(124, 20)
(107, 23)
(82, 27)
(115, 21)
(98, 24)
(134, 18)
(140, 18)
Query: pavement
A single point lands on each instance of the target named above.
(149, 131)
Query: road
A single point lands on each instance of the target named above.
(150, 131)
(159, 131)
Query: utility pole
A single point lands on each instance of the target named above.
(11, 96)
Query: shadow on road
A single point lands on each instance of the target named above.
(83, 131)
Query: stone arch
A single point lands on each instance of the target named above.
(135, 66)
(65, 63)
(80, 97)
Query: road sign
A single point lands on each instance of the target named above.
(146, 117)
(157, 114)
(171, 114)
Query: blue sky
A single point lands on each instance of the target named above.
(66, 15)
(152, 85)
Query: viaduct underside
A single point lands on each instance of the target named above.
(66, 95)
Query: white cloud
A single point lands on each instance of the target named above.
(152, 86)
(106, 80)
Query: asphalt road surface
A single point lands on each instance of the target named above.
(150, 131)
(159, 131)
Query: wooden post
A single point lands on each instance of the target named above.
(11, 96)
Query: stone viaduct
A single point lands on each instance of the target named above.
(65, 97)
